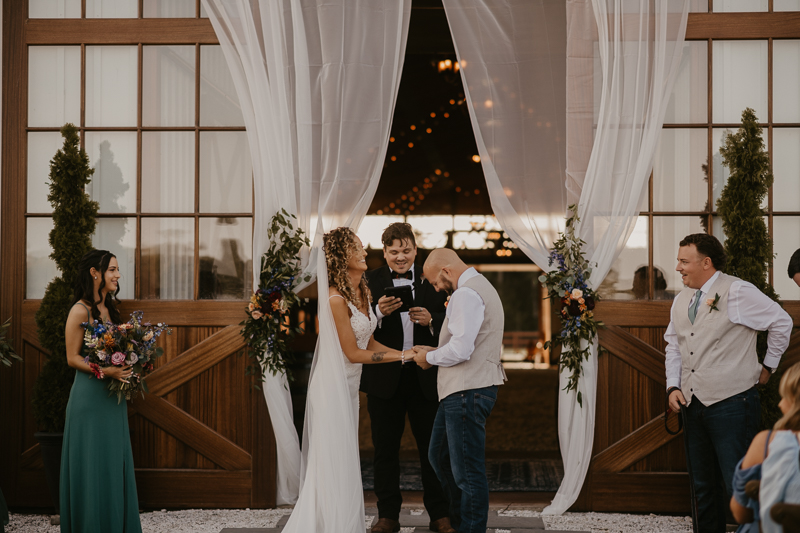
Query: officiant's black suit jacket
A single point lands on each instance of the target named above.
(381, 380)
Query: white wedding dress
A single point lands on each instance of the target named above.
(331, 496)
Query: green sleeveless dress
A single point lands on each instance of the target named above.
(97, 485)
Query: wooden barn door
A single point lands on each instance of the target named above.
(637, 466)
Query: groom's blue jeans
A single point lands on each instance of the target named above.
(458, 455)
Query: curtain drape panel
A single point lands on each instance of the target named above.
(621, 58)
(317, 81)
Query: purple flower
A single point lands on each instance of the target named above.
(117, 358)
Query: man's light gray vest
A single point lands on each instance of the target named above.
(483, 369)
(718, 357)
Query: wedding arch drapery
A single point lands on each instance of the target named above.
(317, 81)
(622, 57)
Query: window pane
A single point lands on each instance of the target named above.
(167, 267)
(679, 182)
(787, 239)
(786, 79)
(723, 6)
(39, 268)
(226, 173)
(619, 283)
(226, 264)
(689, 100)
(667, 234)
(203, 14)
(698, 6)
(219, 103)
(720, 172)
(168, 172)
(54, 85)
(168, 85)
(739, 80)
(169, 8)
(118, 236)
(112, 154)
(372, 228)
(54, 9)
(786, 5)
(42, 146)
(111, 85)
(786, 169)
(429, 231)
(112, 9)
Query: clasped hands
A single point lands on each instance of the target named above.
(420, 356)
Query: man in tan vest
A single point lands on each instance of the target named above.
(712, 369)
(470, 371)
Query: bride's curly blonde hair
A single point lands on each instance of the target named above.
(339, 245)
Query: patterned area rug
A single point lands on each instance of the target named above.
(539, 475)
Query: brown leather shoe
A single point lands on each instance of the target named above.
(387, 525)
(441, 526)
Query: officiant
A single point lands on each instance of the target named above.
(394, 390)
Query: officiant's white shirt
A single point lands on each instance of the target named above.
(464, 318)
(747, 306)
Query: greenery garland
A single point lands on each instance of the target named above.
(567, 284)
(267, 329)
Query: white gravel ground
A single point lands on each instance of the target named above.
(214, 520)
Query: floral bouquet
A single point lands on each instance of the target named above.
(568, 284)
(267, 329)
(131, 343)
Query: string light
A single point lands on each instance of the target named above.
(476, 158)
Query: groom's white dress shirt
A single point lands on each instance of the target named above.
(465, 316)
(747, 306)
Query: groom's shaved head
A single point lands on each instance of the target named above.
(443, 268)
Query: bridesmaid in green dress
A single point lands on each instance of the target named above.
(97, 487)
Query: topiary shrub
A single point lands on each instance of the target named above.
(74, 222)
(748, 244)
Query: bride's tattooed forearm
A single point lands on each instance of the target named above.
(378, 356)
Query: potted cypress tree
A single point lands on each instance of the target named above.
(7, 356)
(747, 241)
(74, 222)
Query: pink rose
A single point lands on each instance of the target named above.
(117, 358)
(133, 359)
(710, 302)
(256, 315)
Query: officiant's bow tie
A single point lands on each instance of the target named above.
(407, 275)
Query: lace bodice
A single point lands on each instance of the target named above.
(363, 326)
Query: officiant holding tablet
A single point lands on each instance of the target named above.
(406, 317)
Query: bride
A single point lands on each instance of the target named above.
(331, 495)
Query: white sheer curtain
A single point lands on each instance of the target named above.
(317, 81)
(512, 67)
(511, 54)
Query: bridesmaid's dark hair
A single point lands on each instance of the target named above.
(84, 284)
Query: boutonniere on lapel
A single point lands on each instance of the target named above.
(712, 303)
(446, 302)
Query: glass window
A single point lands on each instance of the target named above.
(118, 236)
(739, 80)
(721, 172)
(219, 103)
(679, 181)
(226, 265)
(698, 6)
(112, 9)
(689, 100)
(168, 171)
(112, 154)
(732, 6)
(786, 169)
(167, 265)
(54, 85)
(39, 268)
(786, 5)
(431, 231)
(226, 172)
(786, 231)
(785, 80)
(168, 85)
(667, 234)
(111, 85)
(42, 147)
(622, 281)
(169, 8)
(54, 9)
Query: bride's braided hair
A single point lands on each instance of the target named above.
(339, 245)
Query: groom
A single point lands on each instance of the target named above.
(470, 371)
